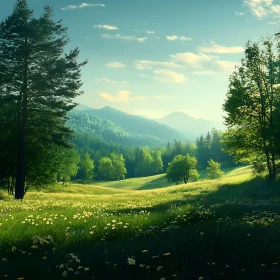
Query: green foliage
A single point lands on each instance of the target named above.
(87, 166)
(106, 169)
(38, 83)
(118, 163)
(214, 170)
(258, 166)
(69, 160)
(182, 168)
(210, 147)
(253, 105)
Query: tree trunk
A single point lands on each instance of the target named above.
(21, 158)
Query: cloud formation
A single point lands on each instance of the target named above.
(239, 14)
(178, 38)
(105, 80)
(191, 59)
(150, 32)
(165, 75)
(221, 49)
(226, 66)
(105, 26)
(83, 5)
(150, 64)
(121, 96)
(263, 8)
(126, 38)
(115, 65)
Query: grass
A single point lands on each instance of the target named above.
(219, 229)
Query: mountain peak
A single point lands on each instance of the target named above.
(109, 109)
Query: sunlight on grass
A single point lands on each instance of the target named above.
(50, 225)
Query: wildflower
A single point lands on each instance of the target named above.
(86, 269)
(4, 259)
(64, 273)
(262, 264)
(167, 254)
(200, 278)
(159, 268)
(44, 258)
(131, 261)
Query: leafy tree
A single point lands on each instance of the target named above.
(37, 86)
(182, 168)
(253, 106)
(69, 160)
(87, 166)
(118, 163)
(214, 170)
(106, 169)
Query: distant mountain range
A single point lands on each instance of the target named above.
(188, 125)
(116, 126)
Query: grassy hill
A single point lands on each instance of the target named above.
(219, 229)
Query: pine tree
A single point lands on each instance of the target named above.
(37, 86)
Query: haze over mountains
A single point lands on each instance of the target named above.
(116, 126)
(188, 125)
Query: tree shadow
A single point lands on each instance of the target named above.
(158, 183)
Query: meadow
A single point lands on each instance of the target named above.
(144, 228)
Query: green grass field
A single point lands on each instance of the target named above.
(144, 228)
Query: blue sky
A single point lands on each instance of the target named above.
(154, 57)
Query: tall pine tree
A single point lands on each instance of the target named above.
(38, 83)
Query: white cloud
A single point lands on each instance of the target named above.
(121, 96)
(191, 59)
(150, 64)
(205, 72)
(165, 75)
(127, 38)
(263, 8)
(178, 38)
(150, 32)
(115, 65)
(239, 14)
(105, 80)
(226, 66)
(105, 26)
(221, 49)
(271, 22)
(83, 5)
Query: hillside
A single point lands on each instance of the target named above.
(188, 125)
(118, 127)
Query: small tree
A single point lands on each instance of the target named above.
(87, 167)
(182, 168)
(214, 170)
(69, 165)
(118, 163)
(106, 169)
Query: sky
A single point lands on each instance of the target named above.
(155, 57)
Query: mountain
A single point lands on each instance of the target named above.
(115, 126)
(188, 125)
